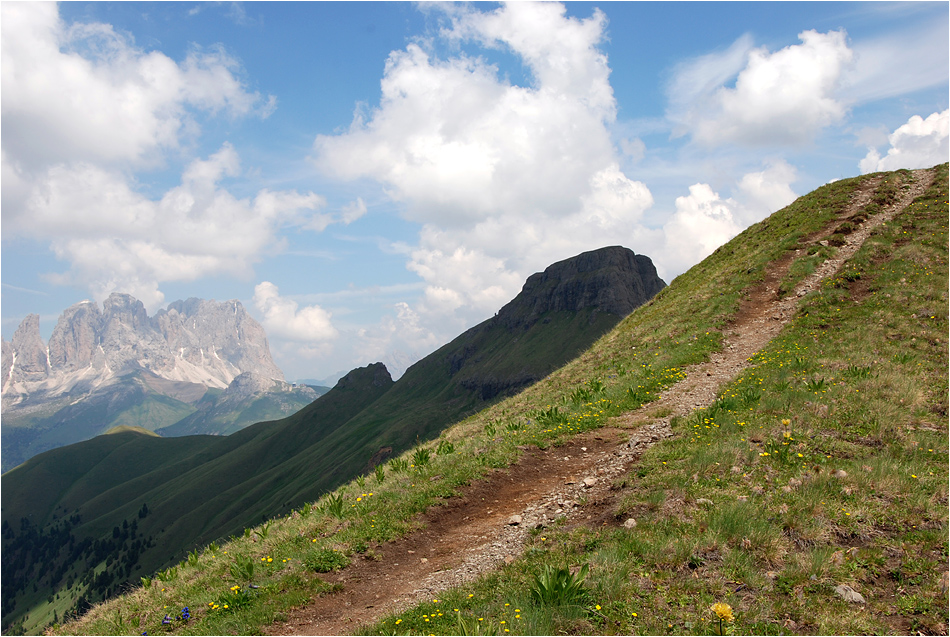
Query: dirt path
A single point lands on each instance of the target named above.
(474, 533)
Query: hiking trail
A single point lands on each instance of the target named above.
(476, 532)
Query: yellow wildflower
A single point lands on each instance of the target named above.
(723, 611)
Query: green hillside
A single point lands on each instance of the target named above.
(823, 463)
(219, 415)
(265, 469)
(132, 401)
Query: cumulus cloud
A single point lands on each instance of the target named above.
(284, 319)
(504, 179)
(398, 340)
(704, 220)
(920, 143)
(762, 193)
(784, 97)
(83, 111)
(85, 92)
(117, 239)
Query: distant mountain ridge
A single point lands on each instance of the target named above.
(194, 341)
(116, 366)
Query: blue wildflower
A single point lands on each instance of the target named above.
(167, 620)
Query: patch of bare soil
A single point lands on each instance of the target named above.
(474, 533)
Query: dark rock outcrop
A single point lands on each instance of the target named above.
(612, 280)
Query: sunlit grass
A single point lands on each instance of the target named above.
(833, 438)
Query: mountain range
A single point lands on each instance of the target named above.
(118, 366)
(104, 509)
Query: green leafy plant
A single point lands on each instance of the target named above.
(193, 558)
(325, 560)
(380, 473)
(420, 457)
(445, 448)
(854, 371)
(361, 481)
(243, 568)
(399, 465)
(146, 582)
(168, 574)
(333, 505)
(557, 586)
(262, 530)
(581, 395)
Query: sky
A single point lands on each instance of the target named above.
(371, 179)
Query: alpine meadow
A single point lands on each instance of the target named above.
(761, 448)
(492, 318)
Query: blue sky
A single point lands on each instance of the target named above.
(370, 179)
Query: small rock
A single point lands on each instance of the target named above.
(743, 498)
(771, 575)
(589, 482)
(794, 482)
(630, 524)
(424, 559)
(583, 448)
(840, 473)
(848, 594)
(514, 520)
(704, 502)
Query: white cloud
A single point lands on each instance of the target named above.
(83, 92)
(920, 143)
(284, 319)
(898, 63)
(764, 192)
(83, 110)
(116, 239)
(398, 340)
(505, 179)
(784, 97)
(702, 222)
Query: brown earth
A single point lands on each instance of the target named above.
(475, 532)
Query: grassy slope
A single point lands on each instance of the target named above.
(134, 404)
(222, 417)
(775, 557)
(267, 468)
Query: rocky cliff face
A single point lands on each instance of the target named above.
(195, 341)
(612, 280)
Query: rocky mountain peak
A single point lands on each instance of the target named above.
(75, 339)
(26, 358)
(375, 375)
(611, 279)
(195, 341)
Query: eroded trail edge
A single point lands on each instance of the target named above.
(489, 524)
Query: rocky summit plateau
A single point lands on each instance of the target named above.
(194, 341)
